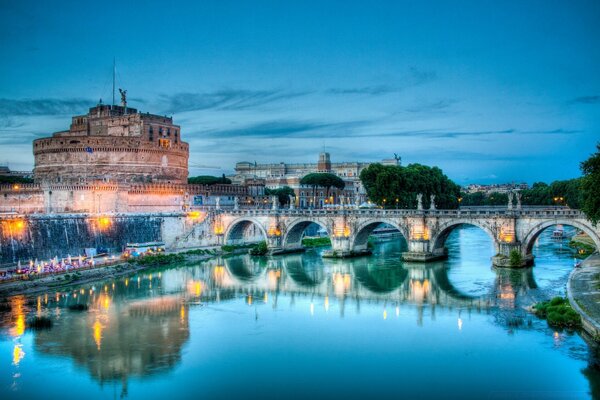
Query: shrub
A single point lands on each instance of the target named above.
(516, 259)
(260, 249)
(558, 313)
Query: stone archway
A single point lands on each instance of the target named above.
(361, 235)
(295, 231)
(238, 228)
(438, 241)
(533, 233)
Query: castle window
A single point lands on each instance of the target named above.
(168, 131)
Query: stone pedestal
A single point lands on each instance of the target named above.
(418, 251)
(503, 258)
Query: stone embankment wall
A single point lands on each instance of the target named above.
(24, 238)
(47, 237)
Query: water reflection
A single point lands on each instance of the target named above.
(138, 326)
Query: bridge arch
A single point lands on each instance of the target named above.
(533, 233)
(295, 230)
(438, 240)
(234, 233)
(364, 230)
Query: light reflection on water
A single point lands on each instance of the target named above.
(301, 325)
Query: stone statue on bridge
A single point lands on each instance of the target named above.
(292, 201)
(510, 200)
(518, 196)
(432, 202)
(236, 204)
(275, 201)
(420, 201)
(218, 203)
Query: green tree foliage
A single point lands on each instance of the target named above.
(324, 180)
(4, 180)
(590, 186)
(392, 185)
(561, 193)
(208, 180)
(283, 194)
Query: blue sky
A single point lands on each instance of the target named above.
(489, 91)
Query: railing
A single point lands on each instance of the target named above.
(410, 212)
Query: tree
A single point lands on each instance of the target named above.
(392, 185)
(283, 194)
(14, 179)
(208, 180)
(324, 180)
(590, 186)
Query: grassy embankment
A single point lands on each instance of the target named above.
(583, 245)
(558, 312)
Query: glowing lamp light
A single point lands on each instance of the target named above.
(507, 235)
(419, 233)
(195, 215)
(219, 229)
(274, 231)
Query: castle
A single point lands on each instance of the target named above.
(116, 159)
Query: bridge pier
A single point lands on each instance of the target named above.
(342, 247)
(503, 258)
(418, 251)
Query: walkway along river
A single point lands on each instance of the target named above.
(302, 326)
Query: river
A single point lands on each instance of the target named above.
(300, 326)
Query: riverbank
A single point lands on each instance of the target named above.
(59, 281)
(583, 291)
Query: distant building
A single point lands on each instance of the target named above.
(496, 188)
(5, 171)
(282, 174)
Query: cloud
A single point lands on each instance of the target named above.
(432, 107)
(586, 100)
(29, 107)
(230, 99)
(285, 128)
(414, 77)
(369, 90)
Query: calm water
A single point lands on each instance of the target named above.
(299, 326)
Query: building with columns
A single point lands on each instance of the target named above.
(282, 174)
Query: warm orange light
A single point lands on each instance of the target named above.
(97, 333)
(17, 226)
(103, 223)
(507, 235)
(16, 187)
(341, 283)
(219, 229)
(274, 231)
(419, 233)
(196, 215)
(18, 354)
(341, 231)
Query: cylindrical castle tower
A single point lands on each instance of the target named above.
(113, 144)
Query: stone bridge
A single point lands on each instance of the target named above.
(425, 231)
